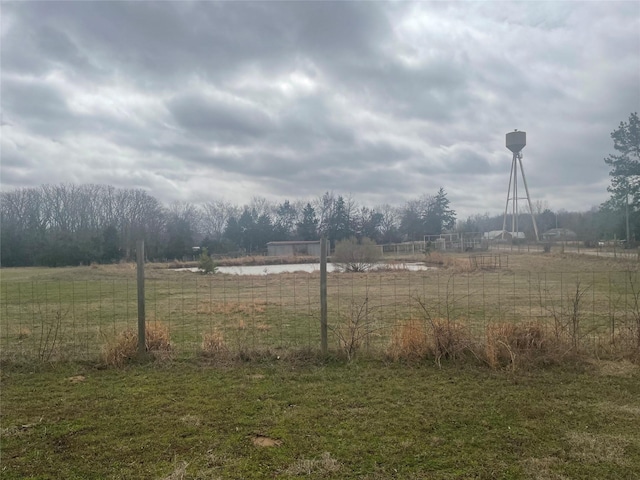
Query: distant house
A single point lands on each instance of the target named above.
(502, 235)
(559, 234)
(294, 248)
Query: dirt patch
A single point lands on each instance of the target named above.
(263, 441)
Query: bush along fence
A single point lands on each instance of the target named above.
(399, 313)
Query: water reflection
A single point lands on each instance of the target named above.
(301, 267)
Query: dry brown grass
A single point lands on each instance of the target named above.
(213, 344)
(322, 466)
(597, 448)
(437, 338)
(451, 340)
(409, 341)
(179, 473)
(453, 263)
(507, 343)
(24, 333)
(124, 347)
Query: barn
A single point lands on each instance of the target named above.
(294, 248)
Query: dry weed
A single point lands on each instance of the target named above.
(611, 368)
(191, 420)
(409, 341)
(124, 347)
(213, 344)
(24, 333)
(507, 342)
(450, 340)
(324, 465)
(179, 473)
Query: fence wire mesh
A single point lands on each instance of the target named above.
(49, 320)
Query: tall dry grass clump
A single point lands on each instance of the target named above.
(508, 344)
(438, 339)
(409, 341)
(124, 347)
(213, 345)
(451, 340)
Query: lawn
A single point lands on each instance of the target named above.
(323, 419)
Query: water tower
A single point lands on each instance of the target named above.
(516, 141)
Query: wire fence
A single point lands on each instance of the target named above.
(612, 251)
(49, 320)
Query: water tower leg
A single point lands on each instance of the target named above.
(526, 189)
(506, 206)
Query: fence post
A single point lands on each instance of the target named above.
(141, 313)
(323, 295)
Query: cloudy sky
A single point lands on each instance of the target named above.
(195, 101)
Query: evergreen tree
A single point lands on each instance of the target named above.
(439, 217)
(340, 226)
(307, 228)
(625, 174)
(285, 221)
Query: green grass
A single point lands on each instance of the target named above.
(329, 420)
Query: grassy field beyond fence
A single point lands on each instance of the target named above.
(72, 313)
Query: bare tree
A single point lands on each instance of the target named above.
(215, 215)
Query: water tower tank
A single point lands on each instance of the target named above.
(516, 141)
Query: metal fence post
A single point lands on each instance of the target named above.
(141, 313)
(323, 295)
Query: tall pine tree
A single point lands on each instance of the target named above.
(625, 175)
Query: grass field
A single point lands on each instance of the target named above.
(272, 407)
(362, 420)
(72, 313)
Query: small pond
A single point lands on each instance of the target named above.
(297, 267)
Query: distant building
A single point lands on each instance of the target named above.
(294, 248)
(559, 234)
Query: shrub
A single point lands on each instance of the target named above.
(353, 256)
(356, 328)
(507, 342)
(206, 263)
(124, 347)
(451, 340)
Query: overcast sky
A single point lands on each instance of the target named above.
(196, 101)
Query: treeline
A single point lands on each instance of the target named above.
(55, 225)
(590, 226)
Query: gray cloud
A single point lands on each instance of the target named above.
(385, 101)
(213, 117)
